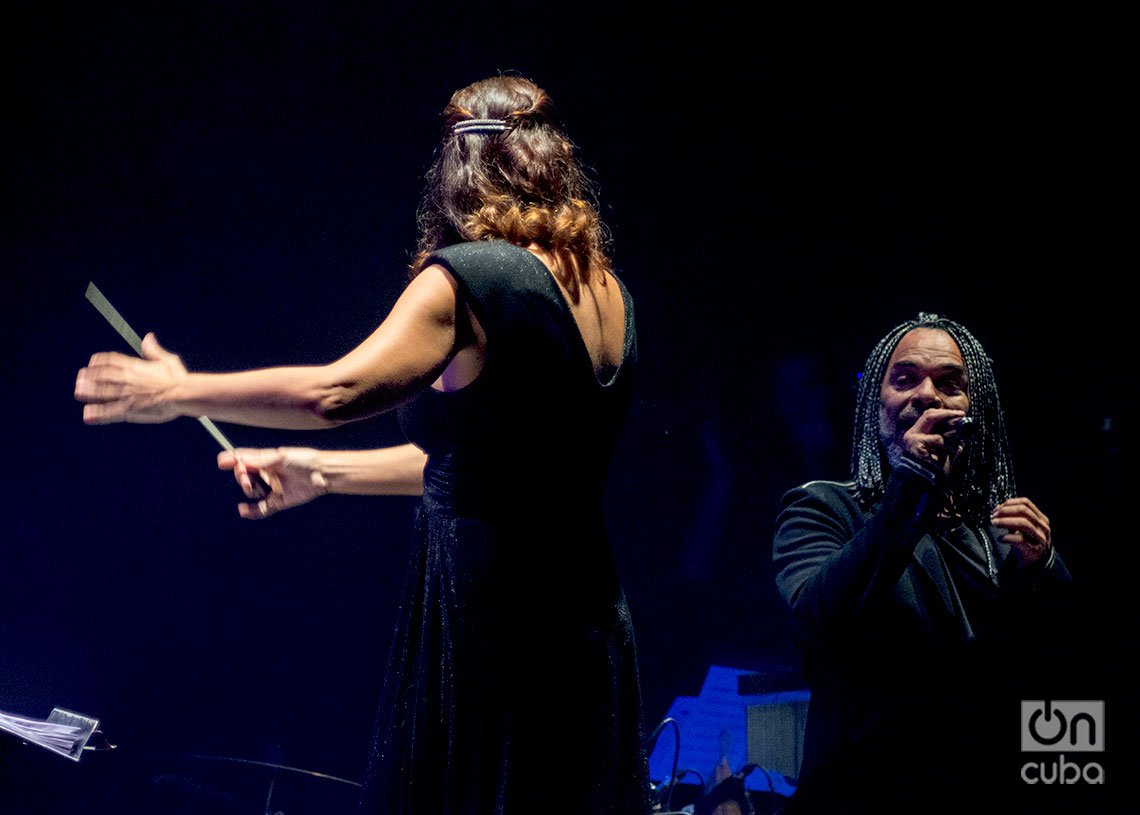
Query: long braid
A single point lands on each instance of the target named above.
(984, 478)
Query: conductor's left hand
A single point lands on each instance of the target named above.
(121, 388)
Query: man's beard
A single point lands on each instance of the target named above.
(894, 450)
(892, 442)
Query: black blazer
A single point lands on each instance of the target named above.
(910, 631)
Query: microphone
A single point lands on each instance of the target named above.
(961, 430)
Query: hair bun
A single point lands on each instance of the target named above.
(523, 118)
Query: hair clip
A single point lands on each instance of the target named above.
(480, 126)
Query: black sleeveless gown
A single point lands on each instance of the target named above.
(512, 685)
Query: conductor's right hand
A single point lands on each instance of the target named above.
(293, 474)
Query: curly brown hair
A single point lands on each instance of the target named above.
(522, 185)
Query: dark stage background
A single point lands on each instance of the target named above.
(782, 188)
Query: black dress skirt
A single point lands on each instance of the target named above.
(512, 683)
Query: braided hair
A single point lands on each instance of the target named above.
(984, 477)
